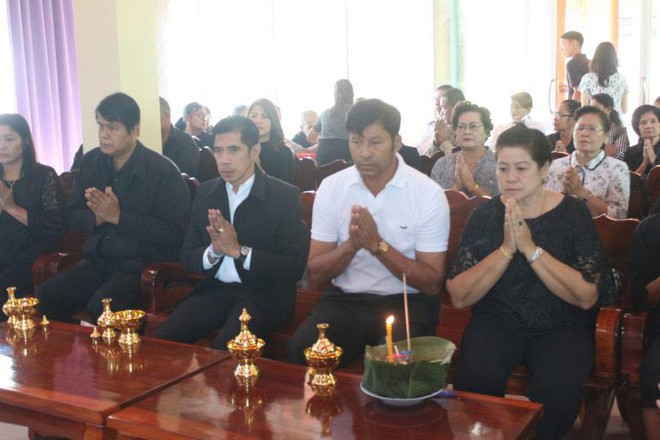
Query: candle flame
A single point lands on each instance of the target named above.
(390, 319)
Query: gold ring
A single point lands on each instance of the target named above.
(220, 230)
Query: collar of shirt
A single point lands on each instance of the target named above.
(592, 163)
(398, 180)
(238, 197)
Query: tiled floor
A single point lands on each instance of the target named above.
(616, 430)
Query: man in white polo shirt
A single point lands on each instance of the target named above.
(371, 223)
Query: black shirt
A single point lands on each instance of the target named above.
(154, 202)
(556, 136)
(277, 160)
(182, 150)
(40, 193)
(635, 156)
(645, 255)
(576, 68)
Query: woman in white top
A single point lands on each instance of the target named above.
(605, 78)
(521, 106)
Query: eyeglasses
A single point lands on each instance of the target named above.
(562, 115)
(201, 115)
(588, 129)
(468, 127)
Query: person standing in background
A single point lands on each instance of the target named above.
(570, 47)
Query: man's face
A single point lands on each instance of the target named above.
(235, 161)
(114, 139)
(568, 48)
(446, 109)
(436, 98)
(374, 151)
(165, 121)
(197, 119)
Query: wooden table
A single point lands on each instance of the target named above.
(57, 383)
(209, 405)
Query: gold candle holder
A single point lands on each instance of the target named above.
(105, 322)
(245, 348)
(127, 321)
(9, 308)
(323, 357)
(25, 310)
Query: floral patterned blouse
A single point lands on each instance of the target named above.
(617, 86)
(606, 177)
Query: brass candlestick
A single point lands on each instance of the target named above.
(245, 348)
(25, 310)
(9, 308)
(322, 358)
(127, 321)
(105, 323)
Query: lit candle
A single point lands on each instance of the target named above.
(388, 327)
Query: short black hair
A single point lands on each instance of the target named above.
(591, 110)
(454, 96)
(641, 111)
(370, 111)
(164, 106)
(573, 35)
(191, 108)
(245, 127)
(119, 107)
(530, 139)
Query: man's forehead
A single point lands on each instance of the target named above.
(370, 130)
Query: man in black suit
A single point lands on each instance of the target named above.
(246, 232)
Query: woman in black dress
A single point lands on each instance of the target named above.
(31, 206)
(532, 267)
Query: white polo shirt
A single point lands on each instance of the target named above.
(411, 213)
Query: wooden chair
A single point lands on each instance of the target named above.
(455, 197)
(428, 162)
(207, 166)
(307, 205)
(653, 185)
(559, 155)
(330, 168)
(192, 184)
(68, 181)
(616, 236)
(636, 205)
(305, 177)
(460, 212)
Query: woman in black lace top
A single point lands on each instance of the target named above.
(31, 206)
(531, 265)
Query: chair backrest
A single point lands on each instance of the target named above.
(428, 162)
(653, 184)
(207, 166)
(636, 202)
(616, 236)
(307, 205)
(68, 181)
(558, 155)
(305, 178)
(455, 197)
(330, 168)
(459, 214)
(192, 183)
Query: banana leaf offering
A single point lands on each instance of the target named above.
(420, 376)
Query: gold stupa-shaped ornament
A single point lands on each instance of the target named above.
(323, 357)
(105, 322)
(25, 310)
(245, 348)
(11, 306)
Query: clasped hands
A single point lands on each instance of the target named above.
(517, 236)
(648, 154)
(223, 235)
(363, 231)
(572, 183)
(463, 179)
(104, 205)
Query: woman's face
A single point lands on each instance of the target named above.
(11, 146)
(649, 126)
(563, 120)
(261, 119)
(470, 131)
(589, 134)
(518, 111)
(518, 175)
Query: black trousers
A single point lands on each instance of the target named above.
(358, 319)
(84, 286)
(650, 371)
(559, 362)
(14, 275)
(213, 305)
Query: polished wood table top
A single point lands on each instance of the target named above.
(59, 373)
(210, 405)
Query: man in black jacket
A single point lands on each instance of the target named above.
(246, 232)
(134, 205)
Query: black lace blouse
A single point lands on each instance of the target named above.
(41, 195)
(519, 298)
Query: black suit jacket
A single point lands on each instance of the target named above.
(269, 221)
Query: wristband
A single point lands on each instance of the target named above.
(506, 254)
(536, 255)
